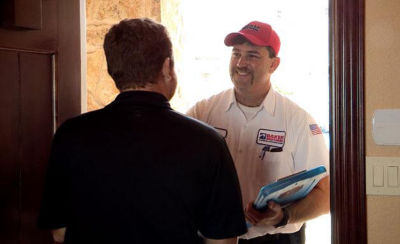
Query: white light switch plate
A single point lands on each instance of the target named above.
(386, 126)
(382, 176)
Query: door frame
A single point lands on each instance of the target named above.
(71, 75)
(65, 40)
(347, 167)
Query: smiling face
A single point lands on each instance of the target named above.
(251, 68)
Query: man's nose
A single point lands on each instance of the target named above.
(241, 62)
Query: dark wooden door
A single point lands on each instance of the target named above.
(40, 81)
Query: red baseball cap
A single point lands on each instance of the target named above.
(258, 33)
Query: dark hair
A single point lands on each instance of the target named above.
(242, 39)
(135, 50)
(271, 52)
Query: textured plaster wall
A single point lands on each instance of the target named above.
(382, 88)
(100, 15)
(172, 18)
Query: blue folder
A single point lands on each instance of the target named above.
(289, 189)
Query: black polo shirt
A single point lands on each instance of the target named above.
(136, 171)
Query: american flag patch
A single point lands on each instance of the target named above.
(315, 130)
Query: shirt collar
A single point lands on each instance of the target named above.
(268, 104)
(140, 98)
(269, 101)
(230, 100)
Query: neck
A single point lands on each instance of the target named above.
(150, 87)
(146, 88)
(251, 98)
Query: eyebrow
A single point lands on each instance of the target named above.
(254, 52)
(249, 52)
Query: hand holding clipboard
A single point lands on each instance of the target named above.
(289, 189)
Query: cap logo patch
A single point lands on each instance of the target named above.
(251, 27)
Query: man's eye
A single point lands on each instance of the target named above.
(235, 54)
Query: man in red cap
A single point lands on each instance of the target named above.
(268, 135)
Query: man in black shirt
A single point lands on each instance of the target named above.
(136, 171)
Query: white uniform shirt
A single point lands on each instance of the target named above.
(281, 126)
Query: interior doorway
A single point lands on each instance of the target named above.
(40, 87)
(202, 59)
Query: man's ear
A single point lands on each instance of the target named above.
(166, 69)
(275, 63)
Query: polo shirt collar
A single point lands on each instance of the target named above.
(141, 98)
(268, 104)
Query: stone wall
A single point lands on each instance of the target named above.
(172, 18)
(100, 15)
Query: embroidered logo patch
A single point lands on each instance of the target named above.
(271, 137)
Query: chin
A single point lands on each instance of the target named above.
(242, 83)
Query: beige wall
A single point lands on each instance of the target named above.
(382, 89)
(100, 15)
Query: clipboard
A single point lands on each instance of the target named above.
(289, 189)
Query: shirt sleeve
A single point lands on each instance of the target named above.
(191, 112)
(224, 216)
(194, 111)
(311, 150)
